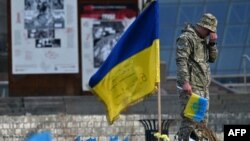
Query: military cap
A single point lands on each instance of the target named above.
(208, 21)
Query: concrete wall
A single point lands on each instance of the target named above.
(67, 127)
(67, 117)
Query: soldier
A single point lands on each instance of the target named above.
(196, 48)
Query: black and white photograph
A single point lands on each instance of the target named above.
(105, 36)
(44, 14)
(41, 33)
(39, 15)
(48, 43)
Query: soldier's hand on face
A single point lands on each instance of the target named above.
(213, 37)
(187, 88)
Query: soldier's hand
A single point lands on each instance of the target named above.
(213, 37)
(187, 88)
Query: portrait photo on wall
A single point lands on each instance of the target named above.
(44, 14)
(105, 36)
(101, 27)
(39, 26)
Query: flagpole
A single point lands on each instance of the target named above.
(159, 108)
(159, 87)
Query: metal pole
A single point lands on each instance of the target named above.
(245, 59)
(245, 72)
(159, 109)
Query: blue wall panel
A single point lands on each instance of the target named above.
(233, 30)
(235, 35)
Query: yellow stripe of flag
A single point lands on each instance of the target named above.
(132, 69)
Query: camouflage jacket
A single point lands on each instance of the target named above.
(193, 55)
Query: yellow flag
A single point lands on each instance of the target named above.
(131, 71)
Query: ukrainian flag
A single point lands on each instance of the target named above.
(196, 108)
(131, 71)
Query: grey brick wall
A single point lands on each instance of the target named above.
(66, 127)
(67, 117)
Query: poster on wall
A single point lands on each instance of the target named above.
(101, 28)
(44, 36)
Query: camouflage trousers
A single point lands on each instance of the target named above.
(188, 127)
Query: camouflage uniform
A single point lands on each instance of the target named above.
(193, 55)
